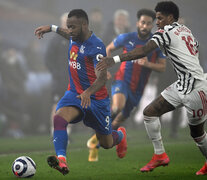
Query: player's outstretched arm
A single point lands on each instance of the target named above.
(136, 53)
(40, 31)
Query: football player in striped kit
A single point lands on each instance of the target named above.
(86, 98)
(180, 46)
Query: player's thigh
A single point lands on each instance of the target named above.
(69, 113)
(158, 107)
(166, 102)
(106, 141)
(118, 101)
(196, 106)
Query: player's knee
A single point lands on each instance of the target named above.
(115, 110)
(146, 111)
(106, 145)
(197, 131)
(196, 134)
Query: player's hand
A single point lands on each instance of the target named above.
(105, 63)
(85, 99)
(143, 61)
(42, 30)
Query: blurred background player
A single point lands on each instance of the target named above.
(119, 25)
(56, 62)
(86, 98)
(132, 76)
(96, 22)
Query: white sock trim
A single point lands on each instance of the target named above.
(62, 156)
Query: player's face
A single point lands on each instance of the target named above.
(162, 20)
(74, 25)
(144, 26)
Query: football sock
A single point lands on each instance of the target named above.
(117, 137)
(201, 142)
(60, 137)
(153, 128)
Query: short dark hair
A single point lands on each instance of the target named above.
(79, 13)
(168, 7)
(147, 12)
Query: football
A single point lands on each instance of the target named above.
(24, 166)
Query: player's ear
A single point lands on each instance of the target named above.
(170, 18)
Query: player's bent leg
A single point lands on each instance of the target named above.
(93, 145)
(121, 148)
(60, 138)
(105, 141)
(118, 120)
(159, 158)
(92, 142)
(58, 163)
(115, 138)
(200, 137)
(118, 103)
(153, 127)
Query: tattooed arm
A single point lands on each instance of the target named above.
(40, 31)
(136, 53)
(139, 52)
(63, 32)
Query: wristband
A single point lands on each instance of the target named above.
(54, 28)
(116, 59)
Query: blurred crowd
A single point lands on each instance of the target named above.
(33, 80)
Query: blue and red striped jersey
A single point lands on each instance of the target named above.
(131, 72)
(82, 60)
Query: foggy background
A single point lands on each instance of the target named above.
(25, 82)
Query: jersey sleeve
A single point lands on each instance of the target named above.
(119, 41)
(160, 54)
(162, 38)
(97, 52)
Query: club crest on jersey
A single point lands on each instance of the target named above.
(98, 57)
(82, 49)
(161, 31)
(73, 55)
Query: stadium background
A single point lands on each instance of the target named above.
(31, 93)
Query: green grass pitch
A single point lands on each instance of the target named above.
(185, 158)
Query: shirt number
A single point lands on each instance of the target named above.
(189, 43)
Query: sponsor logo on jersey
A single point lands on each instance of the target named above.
(131, 43)
(75, 65)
